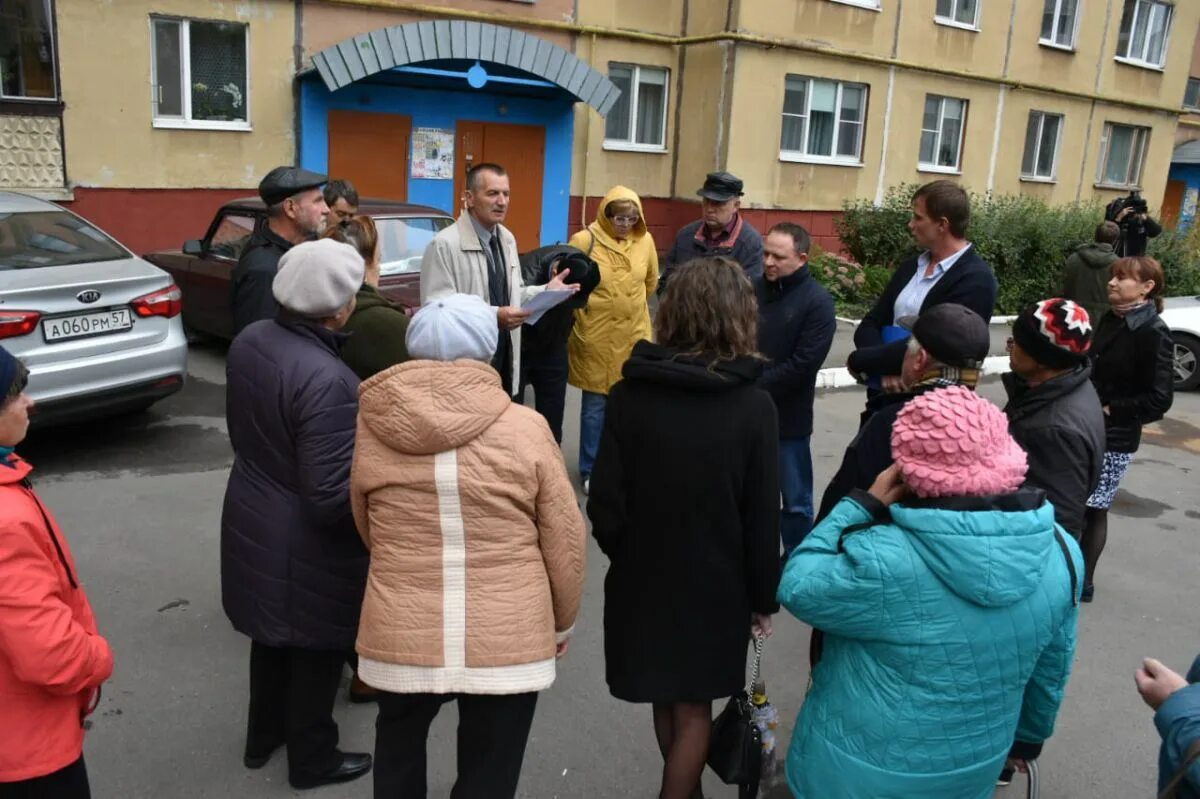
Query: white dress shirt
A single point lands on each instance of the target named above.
(911, 297)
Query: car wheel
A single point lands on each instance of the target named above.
(1187, 362)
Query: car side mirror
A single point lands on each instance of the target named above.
(193, 247)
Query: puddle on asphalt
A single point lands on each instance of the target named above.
(1134, 507)
(1173, 434)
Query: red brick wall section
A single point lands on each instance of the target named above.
(145, 220)
(665, 217)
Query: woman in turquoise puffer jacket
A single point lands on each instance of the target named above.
(950, 618)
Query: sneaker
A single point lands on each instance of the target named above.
(1088, 593)
(1005, 778)
(587, 484)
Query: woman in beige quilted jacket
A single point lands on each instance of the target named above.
(477, 553)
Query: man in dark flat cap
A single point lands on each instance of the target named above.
(720, 231)
(296, 212)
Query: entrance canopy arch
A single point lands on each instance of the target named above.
(359, 57)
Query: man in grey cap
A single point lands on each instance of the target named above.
(721, 230)
(296, 212)
(947, 347)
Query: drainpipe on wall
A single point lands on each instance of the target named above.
(297, 65)
(587, 144)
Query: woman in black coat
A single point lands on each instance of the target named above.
(1133, 363)
(685, 503)
(293, 568)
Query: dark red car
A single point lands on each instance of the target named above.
(203, 268)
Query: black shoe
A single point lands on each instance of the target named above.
(1005, 778)
(353, 766)
(257, 760)
(1088, 593)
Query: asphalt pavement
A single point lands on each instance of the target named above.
(139, 498)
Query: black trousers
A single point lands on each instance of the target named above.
(492, 732)
(70, 782)
(291, 702)
(546, 371)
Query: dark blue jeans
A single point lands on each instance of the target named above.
(546, 371)
(796, 485)
(591, 423)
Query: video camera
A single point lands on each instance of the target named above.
(1135, 202)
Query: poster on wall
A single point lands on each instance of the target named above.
(433, 154)
(1187, 214)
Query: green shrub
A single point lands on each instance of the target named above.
(1179, 254)
(854, 287)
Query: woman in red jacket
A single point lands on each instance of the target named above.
(52, 660)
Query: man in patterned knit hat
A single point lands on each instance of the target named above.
(1053, 411)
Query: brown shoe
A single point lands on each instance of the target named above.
(361, 693)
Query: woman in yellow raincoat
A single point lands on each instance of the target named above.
(617, 314)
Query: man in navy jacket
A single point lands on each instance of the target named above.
(721, 231)
(949, 270)
(795, 330)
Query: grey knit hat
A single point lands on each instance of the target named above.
(449, 328)
(316, 279)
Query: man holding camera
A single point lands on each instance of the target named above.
(1137, 227)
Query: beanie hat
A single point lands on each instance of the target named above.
(952, 442)
(453, 327)
(11, 372)
(1056, 333)
(316, 279)
(954, 335)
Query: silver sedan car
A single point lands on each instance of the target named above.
(98, 327)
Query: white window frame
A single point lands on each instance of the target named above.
(21, 98)
(1138, 157)
(635, 82)
(1037, 151)
(1156, 6)
(962, 135)
(954, 23)
(869, 5)
(1195, 106)
(800, 157)
(185, 122)
(1058, 10)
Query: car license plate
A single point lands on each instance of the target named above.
(62, 328)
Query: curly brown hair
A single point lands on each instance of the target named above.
(709, 308)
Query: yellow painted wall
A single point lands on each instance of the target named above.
(326, 24)
(1137, 83)
(1036, 63)
(1074, 143)
(754, 143)
(924, 41)
(594, 169)
(648, 16)
(104, 56)
(851, 27)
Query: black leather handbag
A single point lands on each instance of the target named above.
(735, 748)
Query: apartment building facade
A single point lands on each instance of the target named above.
(146, 114)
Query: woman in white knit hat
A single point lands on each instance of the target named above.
(477, 554)
(292, 566)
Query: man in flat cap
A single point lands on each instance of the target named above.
(720, 231)
(296, 212)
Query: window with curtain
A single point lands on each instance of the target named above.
(1191, 95)
(1040, 161)
(1145, 28)
(1059, 22)
(1122, 153)
(638, 119)
(201, 73)
(942, 132)
(823, 120)
(958, 12)
(27, 57)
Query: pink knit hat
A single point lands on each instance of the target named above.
(952, 442)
